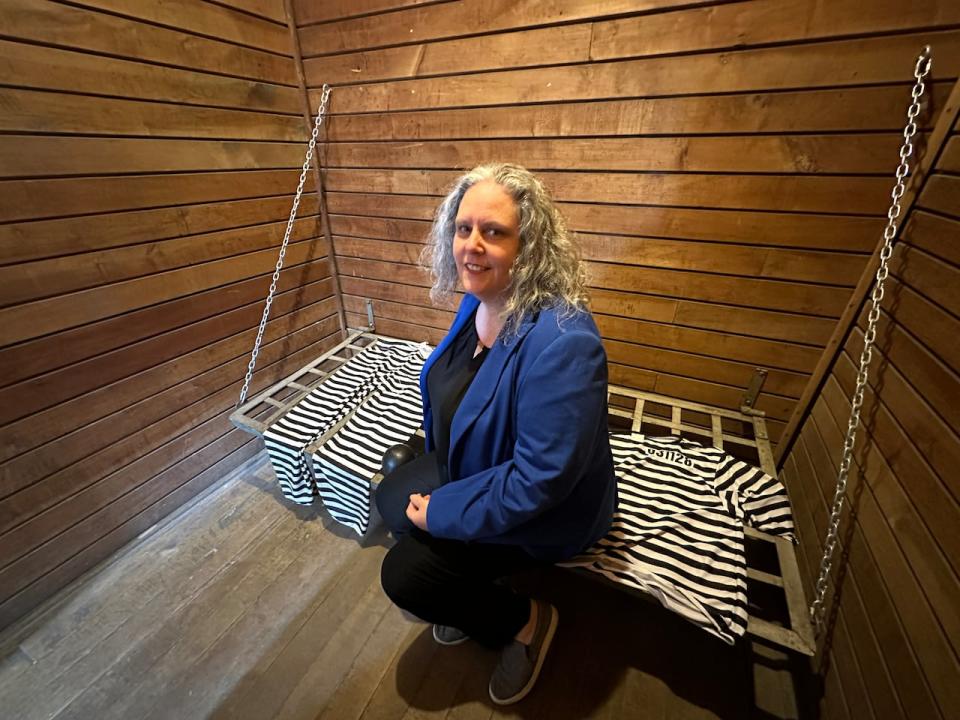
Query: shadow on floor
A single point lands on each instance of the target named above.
(614, 657)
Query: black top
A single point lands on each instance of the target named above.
(447, 383)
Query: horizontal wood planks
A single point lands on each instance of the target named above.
(725, 165)
(149, 157)
(894, 641)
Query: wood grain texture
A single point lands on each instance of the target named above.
(902, 509)
(695, 29)
(37, 156)
(110, 337)
(36, 111)
(790, 67)
(88, 30)
(820, 231)
(179, 194)
(309, 12)
(37, 240)
(205, 19)
(144, 144)
(760, 154)
(52, 68)
(459, 18)
(830, 110)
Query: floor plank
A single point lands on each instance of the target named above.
(133, 611)
(251, 642)
(370, 666)
(145, 676)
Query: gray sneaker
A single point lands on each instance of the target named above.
(520, 664)
(446, 635)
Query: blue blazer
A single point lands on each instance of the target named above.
(530, 460)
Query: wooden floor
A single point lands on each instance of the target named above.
(246, 606)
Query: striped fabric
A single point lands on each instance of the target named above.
(348, 461)
(382, 385)
(678, 531)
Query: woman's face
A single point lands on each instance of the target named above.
(486, 240)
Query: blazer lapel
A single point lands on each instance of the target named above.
(484, 387)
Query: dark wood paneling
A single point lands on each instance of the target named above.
(99, 32)
(32, 156)
(25, 282)
(36, 358)
(51, 68)
(784, 193)
(180, 194)
(150, 152)
(791, 67)
(758, 154)
(423, 50)
(455, 19)
(38, 111)
(308, 12)
(206, 19)
(846, 109)
(40, 317)
(900, 551)
(39, 239)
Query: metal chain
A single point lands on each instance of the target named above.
(324, 96)
(921, 70)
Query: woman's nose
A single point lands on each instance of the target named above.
(475, 241)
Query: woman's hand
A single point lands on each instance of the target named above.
(417, 510)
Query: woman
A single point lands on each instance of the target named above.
(518, 470)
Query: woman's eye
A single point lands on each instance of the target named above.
(463, 229)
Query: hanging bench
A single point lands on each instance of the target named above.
(739, 433)
(771, 561)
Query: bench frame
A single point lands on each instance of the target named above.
(723, 428)
(716, 426)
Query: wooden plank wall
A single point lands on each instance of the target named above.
(146, 175)
(893, 642)
(725, 163)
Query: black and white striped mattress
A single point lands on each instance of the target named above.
(382, 385)
(678, 530)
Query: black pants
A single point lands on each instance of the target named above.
(448, 582)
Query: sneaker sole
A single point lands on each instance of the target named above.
(548, 640)
(448, 643)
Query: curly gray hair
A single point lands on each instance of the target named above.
(547, 271)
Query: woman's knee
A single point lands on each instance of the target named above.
(392, 506)
(420, 475)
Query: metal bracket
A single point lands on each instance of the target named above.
(371, 326)
(753, 389)
(371, 323)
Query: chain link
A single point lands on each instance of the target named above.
(324, 97)
(921, 70)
